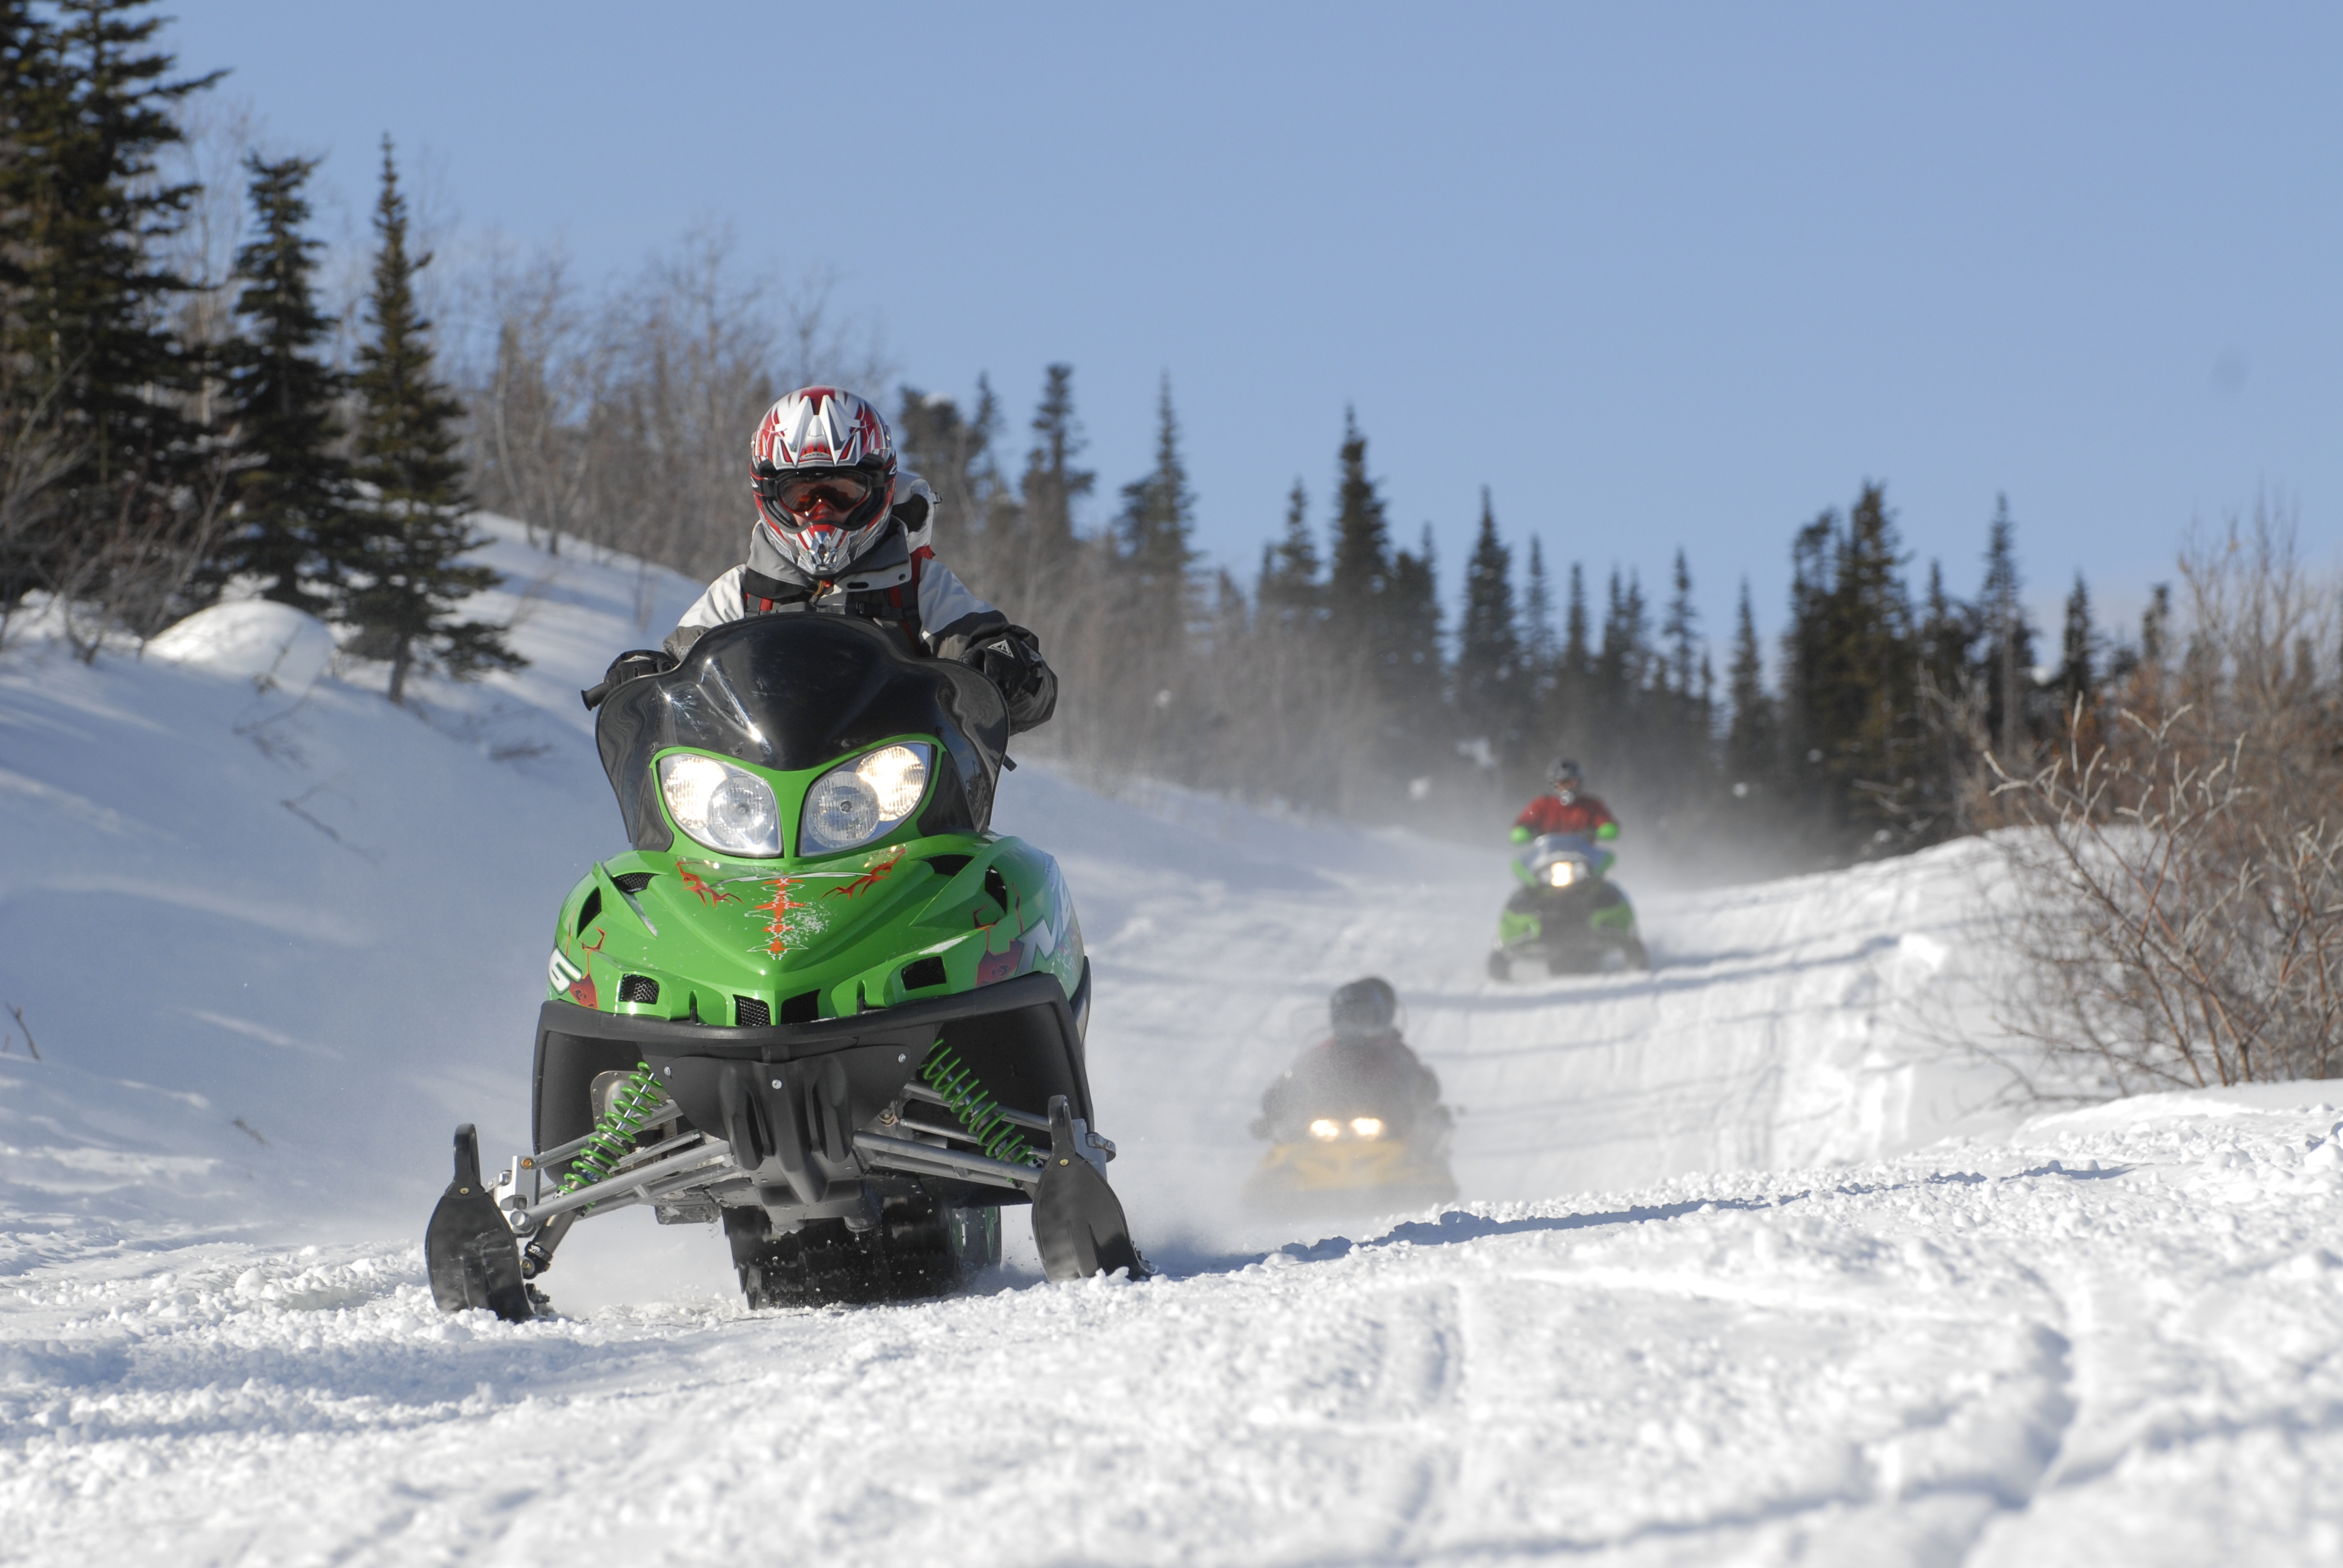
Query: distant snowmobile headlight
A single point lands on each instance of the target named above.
(1367, 1126)
(1561, 873)
(1326, 1129)
(725, 807)
(860, 801)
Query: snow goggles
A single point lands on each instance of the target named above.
(797, 490)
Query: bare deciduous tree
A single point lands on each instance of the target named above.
(2181, 918)
(625, 421)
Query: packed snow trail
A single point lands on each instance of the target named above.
(275, 939)
(2110, 1338)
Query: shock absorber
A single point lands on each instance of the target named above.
(638, 1098)
(978, 1112)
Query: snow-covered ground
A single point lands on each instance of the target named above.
(1748, 1268)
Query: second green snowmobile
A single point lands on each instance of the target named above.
(819, 999)
(1566, 914)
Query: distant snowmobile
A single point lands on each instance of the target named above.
(1356, 1122)
(817, 1001)
(1566, 915)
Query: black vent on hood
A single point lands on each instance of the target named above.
(632, 881)
(751, 1012)
(638, 988)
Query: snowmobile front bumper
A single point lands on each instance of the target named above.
(794, 1100)
(808, 1121)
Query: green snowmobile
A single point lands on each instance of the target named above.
(817, 1001)
(1566, 914)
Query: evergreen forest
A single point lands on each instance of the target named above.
(183, 417)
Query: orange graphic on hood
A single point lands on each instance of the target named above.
(709, 896)
(781, 907)
(868, 877)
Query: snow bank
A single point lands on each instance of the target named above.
(260, 640)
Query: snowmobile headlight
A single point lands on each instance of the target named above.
(1561, 873)
(1326, 1128)
(859, 800)
(1367, 1126)
(725, 807)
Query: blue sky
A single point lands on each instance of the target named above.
(1658, 275)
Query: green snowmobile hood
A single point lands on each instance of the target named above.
(939, 905)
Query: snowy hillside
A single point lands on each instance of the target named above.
(1718, 1289)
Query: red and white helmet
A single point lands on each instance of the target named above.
(822, 469)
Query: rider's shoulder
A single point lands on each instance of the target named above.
(915, 509)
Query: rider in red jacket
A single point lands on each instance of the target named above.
(1569, 808)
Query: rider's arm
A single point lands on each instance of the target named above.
(955, 620)
(967, 628)
(1608, 831)
(721, 603)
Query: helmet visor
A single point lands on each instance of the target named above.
(800, 491)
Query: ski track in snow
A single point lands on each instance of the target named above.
(1749, 1271)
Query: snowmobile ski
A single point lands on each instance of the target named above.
(468, 1247)
(1078, 1224)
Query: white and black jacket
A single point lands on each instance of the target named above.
(897, 583)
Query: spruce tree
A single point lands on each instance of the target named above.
(414, 532)
(1680, 630)
(1947, 632)
(2007, 654)
(1053, 484)
(2079, 648)
(977, 517)
(1290, 592)
(84, 289)
(1488, 644)
(2155, 624)
(1362, 566)
(1539, 650)
(1409, 656)
(289, 528)
(1157, 514)
(1576, 661)
(1626, 654)
(1751, 741)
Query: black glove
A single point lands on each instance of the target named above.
(1011, 659)
(626, 666)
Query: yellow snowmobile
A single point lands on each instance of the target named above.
(1355, 1125)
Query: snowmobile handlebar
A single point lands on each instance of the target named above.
(634, 662)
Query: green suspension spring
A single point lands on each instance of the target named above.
(965, 1098)
(636, 1101)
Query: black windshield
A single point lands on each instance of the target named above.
(794, 691)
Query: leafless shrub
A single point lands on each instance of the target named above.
(134, 574)
(2180, 859)
(36, 454)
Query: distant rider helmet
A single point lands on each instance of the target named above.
(1364, 1009)
(1566, 780)
(822, 469)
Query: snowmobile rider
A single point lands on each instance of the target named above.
(1567, 807)
(839, 531)
(1364, 1064)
